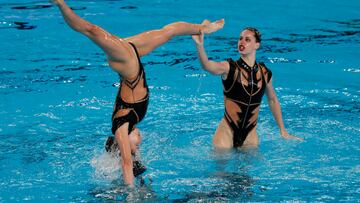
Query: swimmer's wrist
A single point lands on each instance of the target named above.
(199, 45)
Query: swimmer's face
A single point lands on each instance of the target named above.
(247, 43)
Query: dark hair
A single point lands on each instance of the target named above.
(256, 32)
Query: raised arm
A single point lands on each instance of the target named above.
(216, 68)
(276, 111)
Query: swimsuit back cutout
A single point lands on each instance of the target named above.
(132, 100)
(133, 83)
(135, 90)
(244, 88)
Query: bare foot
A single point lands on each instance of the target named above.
(212, 27)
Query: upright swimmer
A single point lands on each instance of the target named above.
(245, 81)
(123, 56)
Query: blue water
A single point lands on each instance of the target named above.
(57, 94)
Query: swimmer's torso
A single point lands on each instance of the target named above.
(132, 99)
(244, 88)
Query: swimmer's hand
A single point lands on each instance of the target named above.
(286, 135)
(56, 2)
(199, 39)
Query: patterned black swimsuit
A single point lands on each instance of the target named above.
(244, 88)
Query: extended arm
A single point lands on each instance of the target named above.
(124, 144)
(216, 68)
(276, 111)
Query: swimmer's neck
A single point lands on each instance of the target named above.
(249, 59)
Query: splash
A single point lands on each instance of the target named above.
(107, 167)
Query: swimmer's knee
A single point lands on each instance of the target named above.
(94, 31)
(90, 29)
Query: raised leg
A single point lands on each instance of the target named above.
(148, 41)
(116, 48)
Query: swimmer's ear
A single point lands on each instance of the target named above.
(257, 45)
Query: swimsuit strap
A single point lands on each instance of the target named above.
(261, 67)
(136, 51)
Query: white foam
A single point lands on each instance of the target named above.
(106, 166)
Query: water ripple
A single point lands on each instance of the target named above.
(17, 25)
(31, 7)
(352, 70)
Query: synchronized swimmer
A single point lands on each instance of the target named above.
(244, 83)
(123, 56)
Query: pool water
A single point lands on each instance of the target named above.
(57, 95)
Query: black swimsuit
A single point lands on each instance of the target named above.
(138, 109)
(244, 88)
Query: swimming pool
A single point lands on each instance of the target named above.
(57, 94)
